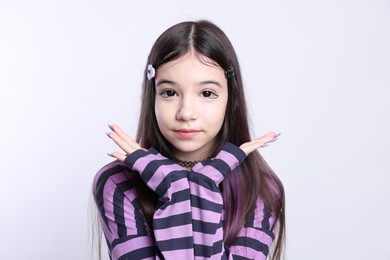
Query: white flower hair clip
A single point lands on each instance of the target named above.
(150, 72)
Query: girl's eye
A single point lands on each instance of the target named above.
(209, 94)
(168, 93)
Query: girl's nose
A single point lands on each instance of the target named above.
(187, 110)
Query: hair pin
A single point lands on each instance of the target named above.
(150, 72)
(229, 72)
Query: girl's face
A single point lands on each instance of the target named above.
(190, 105)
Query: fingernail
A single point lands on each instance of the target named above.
(110, 155)
(264, 145)
(109, 125)
(108, 134)
(277, 135)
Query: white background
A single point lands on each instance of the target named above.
(317, 71)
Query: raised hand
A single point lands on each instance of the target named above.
(259, 142)
(124, 142)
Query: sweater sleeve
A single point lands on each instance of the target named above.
(254, 238)
(121, 219)
(172, 220)
(207, 201)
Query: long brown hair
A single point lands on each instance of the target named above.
(254, 177)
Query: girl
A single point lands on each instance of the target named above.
(192, 184)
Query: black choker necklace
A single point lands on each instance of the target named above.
(185, 164)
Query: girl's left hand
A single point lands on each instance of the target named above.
(259, 142)
(124, 142)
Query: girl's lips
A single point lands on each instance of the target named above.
(187, 133)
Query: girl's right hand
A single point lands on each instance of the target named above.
(259, 142)
(124, 142)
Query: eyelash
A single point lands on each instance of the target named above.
(212, 95)
(164, 93)
(170, 93)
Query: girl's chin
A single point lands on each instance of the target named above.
(189, 153)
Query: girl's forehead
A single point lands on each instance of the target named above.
(190, 70)
(190, 56)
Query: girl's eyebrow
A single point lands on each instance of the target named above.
(206, 82)
(165, 81)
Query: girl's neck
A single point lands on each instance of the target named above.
(189, 157)
(195, 153)
(186, 164)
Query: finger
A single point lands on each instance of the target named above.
(121, 157)
(120, 142)
(259, 142)
(268, 138)
(264, 140)
(275, 138)
(124, 136)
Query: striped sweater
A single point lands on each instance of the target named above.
(188, 221)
